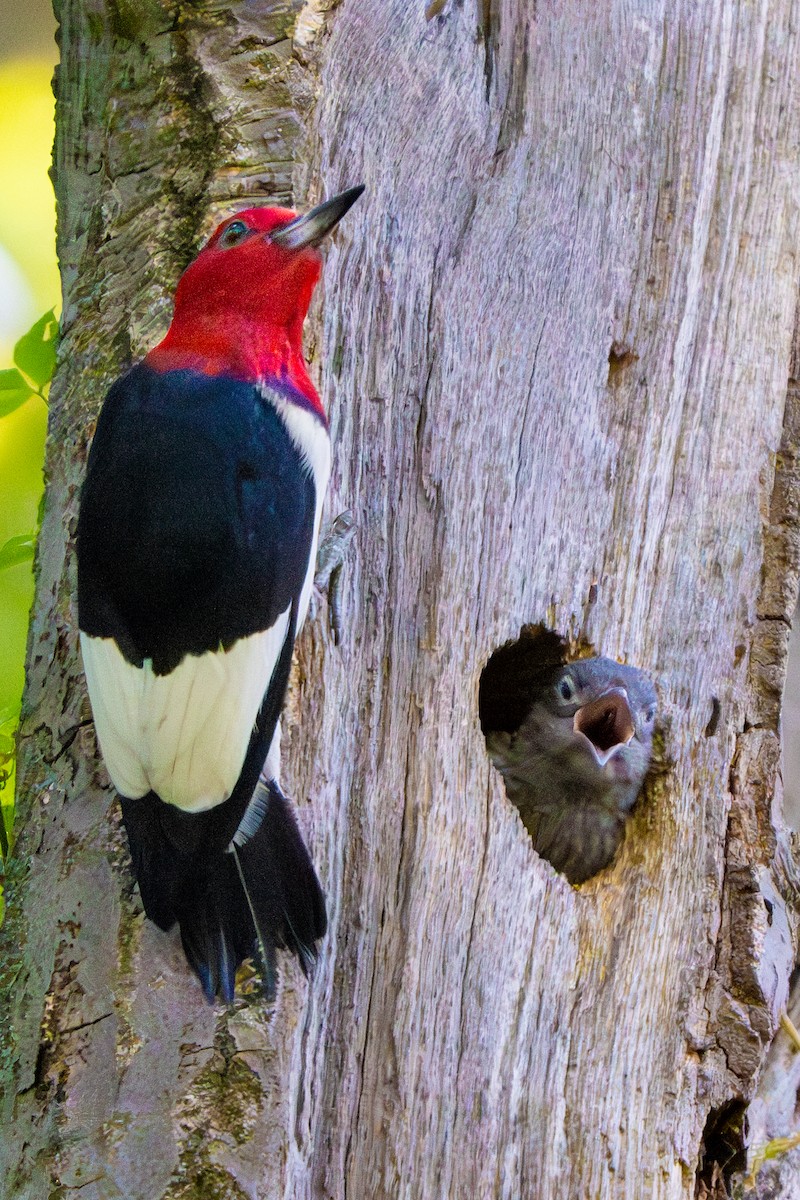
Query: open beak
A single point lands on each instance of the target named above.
(310, 228)
(606, 723)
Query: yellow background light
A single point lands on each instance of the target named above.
(29, 286)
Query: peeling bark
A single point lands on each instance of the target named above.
(555, 342)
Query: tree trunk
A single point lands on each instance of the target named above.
(554, 339)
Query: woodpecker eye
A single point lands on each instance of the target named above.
(566, 688)
(236, 232)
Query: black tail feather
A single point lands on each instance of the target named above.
(207, 911)
(157, 864)
(234, 904)
(281, 882)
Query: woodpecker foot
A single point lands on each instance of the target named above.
(333, 547)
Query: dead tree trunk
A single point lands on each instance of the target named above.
(555, 342)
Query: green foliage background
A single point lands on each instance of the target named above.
(26, 382)
(29, 283)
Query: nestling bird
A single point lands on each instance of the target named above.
(575, 765)
(196, 545)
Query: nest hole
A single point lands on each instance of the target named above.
(515, 672)
(573, 744)
(519, 670)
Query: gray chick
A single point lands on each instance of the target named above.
(576, 764)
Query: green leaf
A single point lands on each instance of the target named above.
(35, 352)
(17, 550)
(9, 714)
(14, 391)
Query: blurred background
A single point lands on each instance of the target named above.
(29, 286)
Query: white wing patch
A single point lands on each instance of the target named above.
(182, 735)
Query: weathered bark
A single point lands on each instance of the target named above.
(555, 343)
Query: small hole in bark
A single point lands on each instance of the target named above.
(713, 720)
(722, 1151)
(620, 356)
(768, 906)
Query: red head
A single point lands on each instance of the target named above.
(240, 306)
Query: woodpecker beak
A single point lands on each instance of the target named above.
(606, 724)
(310, 228)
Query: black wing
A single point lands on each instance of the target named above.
(196, 517)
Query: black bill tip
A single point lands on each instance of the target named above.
(310, 228)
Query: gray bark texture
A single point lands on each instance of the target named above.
(554, 338)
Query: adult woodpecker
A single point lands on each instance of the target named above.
(576, 763)
(196, 545)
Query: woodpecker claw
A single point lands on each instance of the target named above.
(333, 546)
(332, 552)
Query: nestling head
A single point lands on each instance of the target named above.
(575, 765)
(604, 712)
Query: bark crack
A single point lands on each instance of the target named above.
(86, 1024)
(470, 938)
(356, 1125)
(523, 433)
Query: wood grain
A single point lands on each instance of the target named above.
(617, 183)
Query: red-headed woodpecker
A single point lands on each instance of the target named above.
(197, 538)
